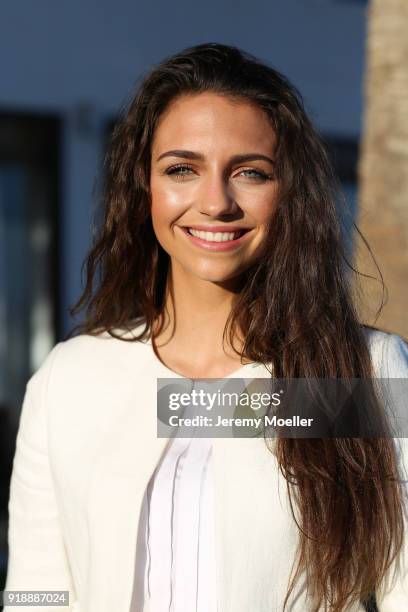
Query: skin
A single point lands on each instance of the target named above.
(209, 190)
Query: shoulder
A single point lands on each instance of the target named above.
(86, 359)
(389, 353)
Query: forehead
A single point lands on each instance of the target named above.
(207, 121)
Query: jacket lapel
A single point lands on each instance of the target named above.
(245, 479)
(130, 454)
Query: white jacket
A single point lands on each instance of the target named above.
(86, 448)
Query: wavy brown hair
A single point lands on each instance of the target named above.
(295, 309)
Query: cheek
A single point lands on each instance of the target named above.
(259, 202)
(264, 209)
(167, 204)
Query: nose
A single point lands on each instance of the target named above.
(215, 197)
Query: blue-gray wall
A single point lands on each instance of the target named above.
(62, 57)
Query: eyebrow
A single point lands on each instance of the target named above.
(235, 159)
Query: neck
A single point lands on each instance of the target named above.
(195, 317)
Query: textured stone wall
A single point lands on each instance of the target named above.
(383, 168)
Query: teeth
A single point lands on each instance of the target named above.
(214, 236)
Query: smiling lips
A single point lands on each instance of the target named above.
(219, 238)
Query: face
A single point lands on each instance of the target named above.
(212, 184)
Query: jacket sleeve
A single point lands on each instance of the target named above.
(37, 557)
(392, 596)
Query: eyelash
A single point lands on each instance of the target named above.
(172, 171)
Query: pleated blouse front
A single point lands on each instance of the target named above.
(179, 568)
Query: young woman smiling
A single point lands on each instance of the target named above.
(219, 255)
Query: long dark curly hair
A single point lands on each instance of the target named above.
(295, 309)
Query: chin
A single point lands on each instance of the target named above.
(216, 276)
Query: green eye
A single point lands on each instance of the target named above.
(179, 170)
(257, 174)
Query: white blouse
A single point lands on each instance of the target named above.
(179, 536)
(177, 558)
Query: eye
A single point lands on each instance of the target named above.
(179, 171)
(182, 171)
(257, 175)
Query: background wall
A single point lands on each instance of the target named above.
(80, 60)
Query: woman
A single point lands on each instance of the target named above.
(219, 256)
